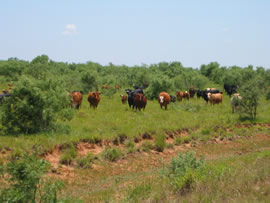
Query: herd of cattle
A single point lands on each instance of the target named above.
(137, 100)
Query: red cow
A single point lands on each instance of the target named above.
(93, 99)
(76, 99)
(164, 99)
(123, 99)
(139, 101)
(180, 95)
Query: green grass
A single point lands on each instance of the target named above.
(112, 119)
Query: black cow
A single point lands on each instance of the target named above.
(173, 98)
(192, 92)
(230, 89)
(131, 94)
(199, 93)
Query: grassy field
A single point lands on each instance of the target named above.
(136, 176)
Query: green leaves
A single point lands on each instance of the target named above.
(35, 106)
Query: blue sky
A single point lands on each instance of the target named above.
(194, 32)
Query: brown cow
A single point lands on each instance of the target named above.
(164, 99)
(106, 87)
(215, 98)
(139, 101)
(76, 99)
(117, 87)
(93, 99)
(180, 95)
(123, 99)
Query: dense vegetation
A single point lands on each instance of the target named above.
(39, 115)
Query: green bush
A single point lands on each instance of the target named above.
(160, 143)
(157, 85)
(69, 154)
(112, 154)
(183, 171)
(250, 99)
(179, 140)
(27, 183)
(85, 162)
(35, 106)
(147, 146)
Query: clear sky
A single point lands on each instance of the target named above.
(132, 32)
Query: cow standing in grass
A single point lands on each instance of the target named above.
(93, 99)
(140, 101)
(164, 99)
(123, 99)
(131, 94)
(76, 99)
(215, 98)
(192, 92)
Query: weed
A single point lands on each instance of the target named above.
(170, 146)
(26, 182)
(183, 171)
(147, 146)
(160, 143)
(130, 146)
(112, 154)
(69, 154)
(139, 192)
(179, 140)
(85, 162)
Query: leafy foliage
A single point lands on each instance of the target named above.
(26, 182)
(250, 100)
(183, 171)
(35, 106)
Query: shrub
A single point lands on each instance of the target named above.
(27, 183)
(250, 100)
(160, 143)
(85, 162)
(112, 154)
(183, 171)
(131, 146)
(157, 85)
(69, 154)
(179, 140)
(35, 106)
(147, 146)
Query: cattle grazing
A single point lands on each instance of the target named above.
(123, 99)
(235, 102)
(93, 99)
(230, 89)
(199, 93)
(204, 93)
(215, 98)
(131, 94)
(192, 92)
(117, 87)
(140, 101)
(173, 98)
(76, 99)
(180, 95)
(164, 99)
(106, 87)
